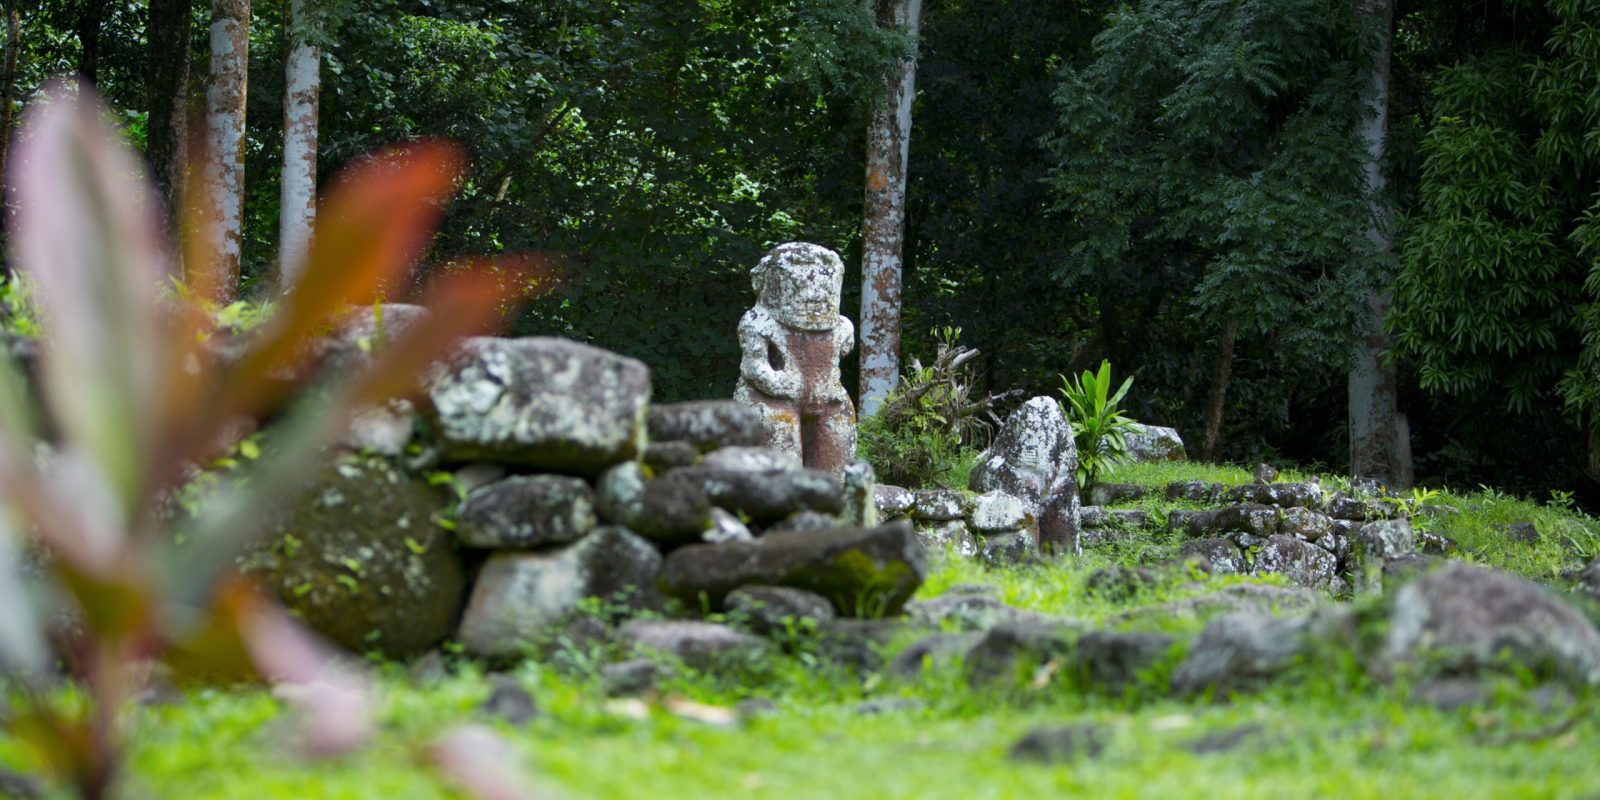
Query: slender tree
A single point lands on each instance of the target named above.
(90, 15)
(884, 222)
(223, 181)
(302, 89)
(1375, 424)
(8, 93)
(168, 37)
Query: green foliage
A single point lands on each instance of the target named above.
(925, 433)
(1501, 275)
(19, 315)
(1098, 424)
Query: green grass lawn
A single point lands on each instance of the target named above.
(1329, 731)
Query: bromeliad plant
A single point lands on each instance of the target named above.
(134, 393)
(1099, 428)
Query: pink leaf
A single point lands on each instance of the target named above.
(480, 763)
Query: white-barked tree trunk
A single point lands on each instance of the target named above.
(223, 181)
(884, 221)
(297, 200)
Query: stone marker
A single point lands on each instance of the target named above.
(791, 343)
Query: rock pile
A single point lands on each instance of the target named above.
(1028, 494)
(1318, 539)
(577, 497)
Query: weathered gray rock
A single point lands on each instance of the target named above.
(1154, 443)
(1196, 491)
(976, 612)
(766, 497)
(1030, 454)
(1224, 556)
(1112, 661)
(934, 652)
(1061, 744)
(750, 459)
(527, 511)
(1358, 510)
(1400, 570)
(628, 678)
(540, 402)
(1522, 532)
(509, 700)
(1251, 518)
(522, 599)
(660, 457)
(1015, 547)
(1198, 524)
(860, 496)
(1307, 494)
(1588, 579)
(1235, 651)
(996, 512)
(778, 609)
(862, 571)
(383, 429)
(470, 478)
(804, 521)
(706, 424)
(361, 559)
(1463, 618)
(1109, 494)
(1264, 473)
(668, 509)
(1375, 544)
(1008, 649)
(892, 500)
(726, 527)
(1303, 564)
(1093, 517)
(1305, 524)
(1059, 522)
(1128, 518)
(700, 645)
(949, 538)
(937, 505)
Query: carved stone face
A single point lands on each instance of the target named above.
(801, 285)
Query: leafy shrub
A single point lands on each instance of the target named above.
(1098, 425)
(135, 397)
(931, 425)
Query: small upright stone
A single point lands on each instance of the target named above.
(860, 496)
(1265, 473)
(893, 501)
(791, 343)
(1154, 443)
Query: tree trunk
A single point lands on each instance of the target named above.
(298, 198)
(1376, 428)
(224, 176)
(1219, 392)
(168, 34)
(8, 94)
(89, 19)
(884, 222)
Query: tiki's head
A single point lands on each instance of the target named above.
(800, 284)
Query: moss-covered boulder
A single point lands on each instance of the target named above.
(364, 559)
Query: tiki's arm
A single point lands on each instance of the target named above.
(758, 348)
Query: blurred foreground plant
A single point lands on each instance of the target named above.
(136, 392)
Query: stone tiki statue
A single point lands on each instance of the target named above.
(790, 344)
